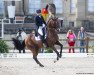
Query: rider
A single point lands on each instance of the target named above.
(41, 25)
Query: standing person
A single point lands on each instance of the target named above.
(41, 25)
(71, 40)
(21, 35)
(81, 36)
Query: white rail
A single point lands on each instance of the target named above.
(45, 55)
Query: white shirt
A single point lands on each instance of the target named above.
(23, 35)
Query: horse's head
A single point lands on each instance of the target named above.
(53, 23)
(51, 8)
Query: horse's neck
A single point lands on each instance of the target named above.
(50, 31)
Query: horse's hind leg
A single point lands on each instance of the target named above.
(58, 43)
(35, 58)
(35, 53)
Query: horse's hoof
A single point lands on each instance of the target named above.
(41, 65)
(60, 55)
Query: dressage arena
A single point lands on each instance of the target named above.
(69, 64)
(16, 65)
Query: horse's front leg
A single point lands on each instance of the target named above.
(56, 52)
(61, 47)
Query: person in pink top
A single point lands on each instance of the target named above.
(71, 40)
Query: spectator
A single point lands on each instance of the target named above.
(21, 35)
(71, 40)
(82, 36)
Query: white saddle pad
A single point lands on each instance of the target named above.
(37, 38)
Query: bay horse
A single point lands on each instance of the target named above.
(51, 40)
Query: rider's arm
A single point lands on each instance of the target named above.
(43, 20)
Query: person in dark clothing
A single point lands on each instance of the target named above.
(41, 25)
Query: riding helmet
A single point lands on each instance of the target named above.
(38, 11)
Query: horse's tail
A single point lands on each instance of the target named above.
(18, 44)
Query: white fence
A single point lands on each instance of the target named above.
(45, 55)
(18, 20)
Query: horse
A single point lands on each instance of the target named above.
(34, 45)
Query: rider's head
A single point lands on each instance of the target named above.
(38, 11)
(20, 30)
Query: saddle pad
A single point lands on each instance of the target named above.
(37, 38)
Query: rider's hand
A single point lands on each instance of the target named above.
(43, 25)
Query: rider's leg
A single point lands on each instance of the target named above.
(43, 37)
(43, 30)
(36, 32)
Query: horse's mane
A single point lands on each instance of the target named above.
(53, 23)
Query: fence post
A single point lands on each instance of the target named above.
(87, 44)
